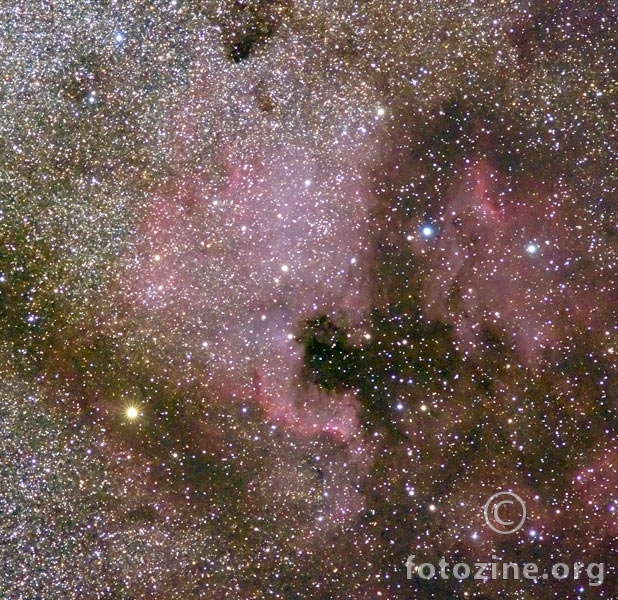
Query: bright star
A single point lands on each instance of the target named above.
(132, 413)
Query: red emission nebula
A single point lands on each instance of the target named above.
(289, 290)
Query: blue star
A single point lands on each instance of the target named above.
(427, 231)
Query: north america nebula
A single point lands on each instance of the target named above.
(289, 290)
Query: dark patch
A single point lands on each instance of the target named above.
(249, 25)
(84, 76)
(330, 361)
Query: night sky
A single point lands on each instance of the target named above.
(289, 289)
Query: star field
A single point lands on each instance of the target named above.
(289, 289)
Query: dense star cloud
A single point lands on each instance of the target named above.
(288, 290)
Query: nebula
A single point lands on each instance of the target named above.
(289, 290)
(504, 259)
(233, 267)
